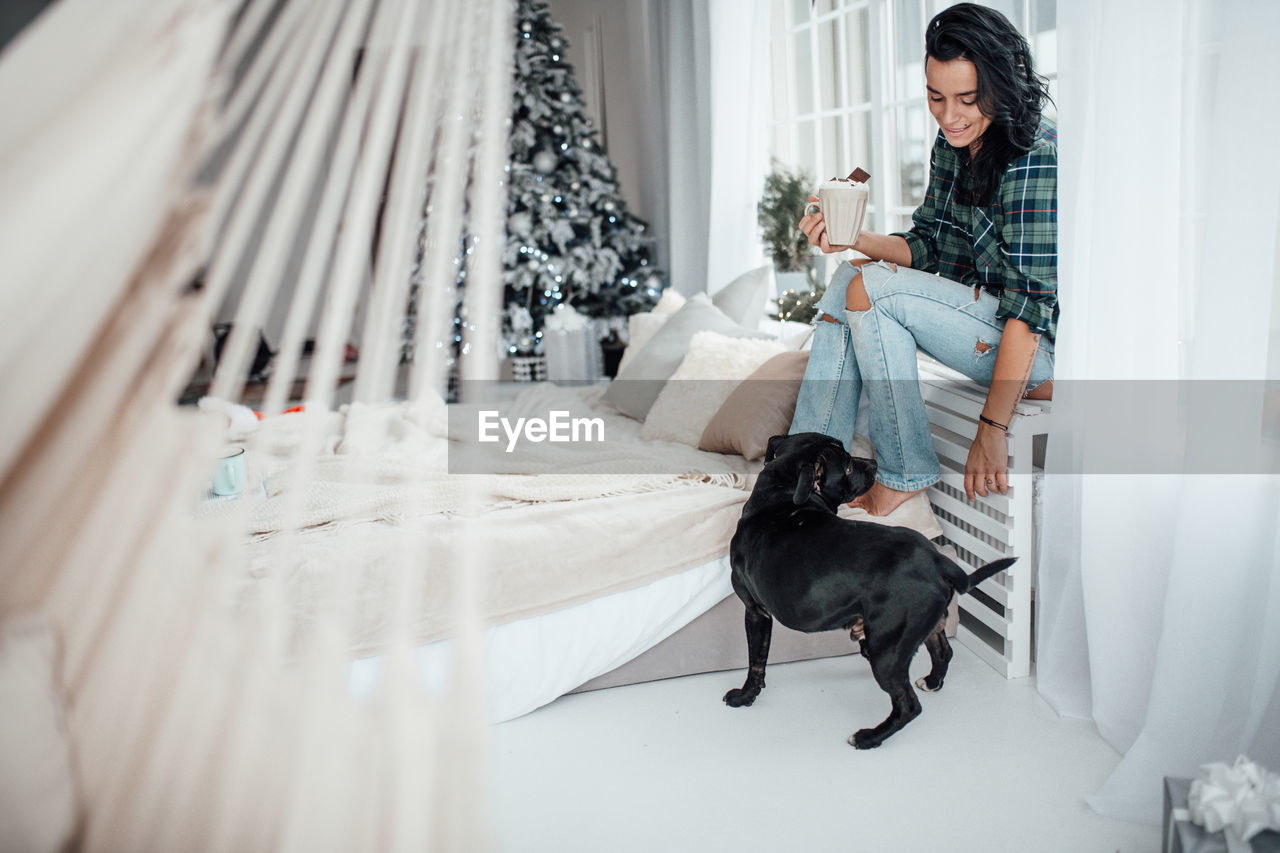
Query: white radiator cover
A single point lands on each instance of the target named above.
(995, 619)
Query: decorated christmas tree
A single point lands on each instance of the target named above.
(570, 237)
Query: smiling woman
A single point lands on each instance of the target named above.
(987, 232)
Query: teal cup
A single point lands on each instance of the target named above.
(230, 476)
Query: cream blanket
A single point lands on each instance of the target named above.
(552, 536)
(391, 462)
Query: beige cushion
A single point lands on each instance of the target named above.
(37, 790)
(714, 365)
(760, 407)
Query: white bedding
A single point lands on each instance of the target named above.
(585, 571)
(533, 661)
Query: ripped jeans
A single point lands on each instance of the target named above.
(875, 350)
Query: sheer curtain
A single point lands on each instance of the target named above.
(706, 149)
(740, 109)
(669, 56)
(1159, 594)
(202, 709)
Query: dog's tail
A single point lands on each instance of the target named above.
(964, 583)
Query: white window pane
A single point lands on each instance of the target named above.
(857, 58)
(782, 144)
(1011, 9)
(825, 6)
(914, 142)
(781, 79)
(828, 53)
(799, 11)
(1044, 53)
(1044, 15)
(803, 59)
(908, 22)
(806, 149)
(779, 16)
(835, 151)
(861, 145)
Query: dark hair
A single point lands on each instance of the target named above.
(1010, 93)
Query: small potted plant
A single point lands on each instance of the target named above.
(780, 208)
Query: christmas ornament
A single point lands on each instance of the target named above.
(520, 223)
(545, 162)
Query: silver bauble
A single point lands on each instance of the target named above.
(545, 162)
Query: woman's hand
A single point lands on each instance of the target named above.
(987, 468)
(815, 228)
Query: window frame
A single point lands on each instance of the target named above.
(889, 208)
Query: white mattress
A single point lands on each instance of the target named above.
(531, 662)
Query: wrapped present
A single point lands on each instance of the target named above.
(1226, 809)
(571, 347)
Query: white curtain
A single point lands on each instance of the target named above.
(704, 94)
(688, 139)
(670, 61)
(201, 714)
(1159, 588)
(740, 112)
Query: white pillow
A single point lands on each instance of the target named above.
(640, 330)
(791, 334)
(744, 299)
(37, 791)
(714, 365)
(670, 303)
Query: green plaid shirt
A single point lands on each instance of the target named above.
(1009, 248)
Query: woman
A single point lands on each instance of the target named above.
(973, 283)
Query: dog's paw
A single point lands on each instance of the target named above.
(865, 739)
(740, 697)
(923, 684)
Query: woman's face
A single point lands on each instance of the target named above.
(953, 99)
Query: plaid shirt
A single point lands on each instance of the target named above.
(1009, 248)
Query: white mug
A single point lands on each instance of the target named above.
(842, 205)
(230, 476)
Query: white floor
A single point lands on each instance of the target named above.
(661, 767)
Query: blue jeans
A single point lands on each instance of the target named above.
(875, 350)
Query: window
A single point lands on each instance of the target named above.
(848, 86)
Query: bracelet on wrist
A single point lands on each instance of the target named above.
(986, 420)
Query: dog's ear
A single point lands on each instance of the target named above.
(810, 481)
(771, 449)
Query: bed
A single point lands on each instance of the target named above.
(607, 561)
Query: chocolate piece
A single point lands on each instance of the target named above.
(860, 175)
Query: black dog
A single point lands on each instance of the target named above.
(795, 561)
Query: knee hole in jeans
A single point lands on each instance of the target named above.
(855, 297)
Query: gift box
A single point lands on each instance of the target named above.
(571, 356)
(1183, 835)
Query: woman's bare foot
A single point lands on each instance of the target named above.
(880, 500)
